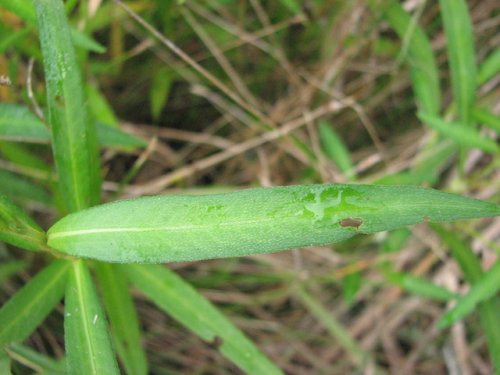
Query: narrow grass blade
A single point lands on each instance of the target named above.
(19, 229)
(17, 123)
(486, 118)
(488, 310)
(336, 150)
(9, 268)
(421, 287)
(117, 138)
(180, 300)
(489, 68)
(341, 335)
(122, 315)
(25, 10)
(184, 227)
(23, 190)
(34, 360)
(88, 346)
(461, 55)
(485, 288)
(420, 57)
(28, 308)
(74, 141)
(161, 82)
(99, 106)
(460, 133)
(4, 363)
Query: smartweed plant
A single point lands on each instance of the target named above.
(125, 242)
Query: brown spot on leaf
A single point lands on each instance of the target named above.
(353, 222)
(426, 219)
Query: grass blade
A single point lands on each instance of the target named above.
(488, 310)
(336, 150)
(485, 288)
(184, 227)
(28, 308)
(489, 68)
(420, 58)
(88, 346)
(125, 327)
(460, 133)
(34, 360)
(19, 229)
(4, 363)
(180, 300)
(9, 268)
(17, 123)
(421, 287)
(486, 118)
(73, 135)
(23, 190)
(461, 55)
(341, 335)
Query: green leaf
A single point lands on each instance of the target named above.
(125, 327)
(88, 346)
(9, 268)
(484, 289)
(19, 229)
(23, 190)
(490, 67)
(488, 310)
(73, 135)
(34, 360)
(185, 227)
(486, 118)
(180, 300)
(17, 123)
(420, 57)
(160, 87)
(4, 363)
(24, 9)
(28, 308)
(86, 42)
(336, 150)
(421, 287)
(460, 133)
(117, 138)
(99, 106)
(461, 55)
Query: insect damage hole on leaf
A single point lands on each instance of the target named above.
(353, 222)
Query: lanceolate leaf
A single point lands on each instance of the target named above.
(184, 227)
(28, 308)
(487, 287)
(88, 346)
(420, 58)
(74, 141)
(185, 304)
(125, 327)
(18, 124)
(19, 229)
(460, 43)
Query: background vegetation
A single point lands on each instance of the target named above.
(214, 96)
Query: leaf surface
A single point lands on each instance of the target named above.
(125, 326)
(73, 134)
(19, 229)
(28, 307)
(88, 346)
(189, 227)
